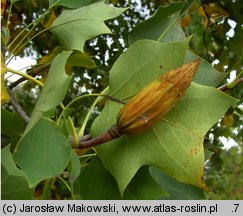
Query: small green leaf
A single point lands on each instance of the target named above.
(97, 183)
(208, 154)
(144, 187)
(13, 181)
(206, 74)
(73, 167)
(176, 189)
(43, 152)
(74, 27)
(163, 26)
(55, 89)
(64, 124)
(11, 125)
(74, 172)
(79, 59)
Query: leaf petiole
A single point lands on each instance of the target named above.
(26, 76)
(65, 183)
(81, 131)
(73, 101)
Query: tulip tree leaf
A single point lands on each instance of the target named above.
(54, 90)
(206, 74)
(74, 167)
(12, 125)
(158, 59)
(96, 182)
(175, 144)
(43, 152)
(74, 27)
(79, 59)
(164, 26)
(13, 181)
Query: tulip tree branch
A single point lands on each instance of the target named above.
(227, 86)
(236, 81)
(114, 99)
(34, 72)
(17, 107)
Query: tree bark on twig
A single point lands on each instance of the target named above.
(17, 107)
(32, 73)
(225, 87)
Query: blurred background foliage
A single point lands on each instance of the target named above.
(217, 29)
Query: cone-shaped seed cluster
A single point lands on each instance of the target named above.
(147, 107)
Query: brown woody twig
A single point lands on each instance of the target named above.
(32, 73)
(17, 107)
(226, 87)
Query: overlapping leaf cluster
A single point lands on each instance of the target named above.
(174, 145)
(143, 166)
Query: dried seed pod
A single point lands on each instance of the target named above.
(149, 105)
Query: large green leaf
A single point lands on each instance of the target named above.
(141, 63)
(175, 144)
(43, 152)
(55, 88)
(163, 26)
(74, 27)
(13, 181)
